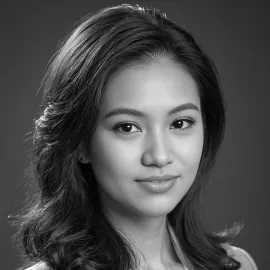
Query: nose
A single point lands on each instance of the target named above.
(158, 151)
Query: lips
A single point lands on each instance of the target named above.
(157, 184)
(158, 178)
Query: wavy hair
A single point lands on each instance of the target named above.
(63, 224)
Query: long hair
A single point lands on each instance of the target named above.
(63, 225)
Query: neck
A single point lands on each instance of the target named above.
(148, 234)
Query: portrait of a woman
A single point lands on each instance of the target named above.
(130, 124)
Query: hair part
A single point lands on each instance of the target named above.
(69, 233)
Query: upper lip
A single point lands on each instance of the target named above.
(158, 178)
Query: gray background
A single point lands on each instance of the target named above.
(236, 35)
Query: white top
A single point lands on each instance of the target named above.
(176, 246)
(247, 262)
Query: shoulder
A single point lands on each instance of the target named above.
(239, 254)
(39, 266)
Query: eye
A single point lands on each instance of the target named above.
(183, 123)
(126, 128)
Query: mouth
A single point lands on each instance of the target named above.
(158, 178)
(158, 181)
(158, 186)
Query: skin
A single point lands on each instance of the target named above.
(156, 144)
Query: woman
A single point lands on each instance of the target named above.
(131, 121)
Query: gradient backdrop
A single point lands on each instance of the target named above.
(237, 36)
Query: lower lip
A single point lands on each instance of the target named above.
(158, 187)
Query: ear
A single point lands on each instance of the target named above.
(82, 155)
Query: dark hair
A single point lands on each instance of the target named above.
(64, 225)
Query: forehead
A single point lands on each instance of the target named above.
(158, 84)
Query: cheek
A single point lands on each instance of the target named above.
(111, 157)
(189, 153)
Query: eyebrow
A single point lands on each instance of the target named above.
(133, 112)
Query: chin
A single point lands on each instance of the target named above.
(158, 208)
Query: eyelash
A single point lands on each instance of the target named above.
(191, 122)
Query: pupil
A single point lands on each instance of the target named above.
(180, 122)
(126, 129)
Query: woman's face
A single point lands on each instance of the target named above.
(150, 124)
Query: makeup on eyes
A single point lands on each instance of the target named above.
(184, 120)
